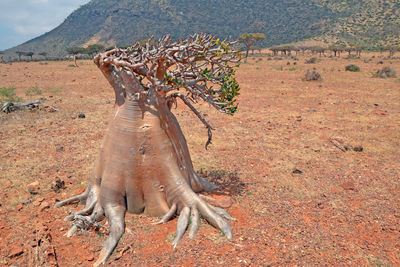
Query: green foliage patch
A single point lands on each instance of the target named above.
(352, 67)
(7, 94)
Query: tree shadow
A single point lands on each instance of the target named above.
(227, 182)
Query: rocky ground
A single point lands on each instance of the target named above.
(310, 169)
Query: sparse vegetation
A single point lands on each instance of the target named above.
(386, 72)
(352, 67)
(7, 94)
(312, 60)
(32, 91)
(313, 75)
(279, 115)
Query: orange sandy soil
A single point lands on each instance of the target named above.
(343, 209)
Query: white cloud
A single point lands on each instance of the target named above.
(23, 20)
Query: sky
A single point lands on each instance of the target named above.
(22, 20)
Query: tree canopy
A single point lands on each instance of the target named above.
(248, 39)
(202, 65)
(75, 50)
(93, 49)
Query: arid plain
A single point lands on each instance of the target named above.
(310, 169)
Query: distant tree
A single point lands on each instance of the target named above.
(43, 54)
(29, 54)
(303, 48)
(349, 49)
(253, 48)
(248, 39)
(296, 49)
(93, 49)
(392, 50)
(358, 49)
(275, 50)
(75, 50)
(287, 49)
(318, 49)
(1, 57)
(19, 54)
(336, 49)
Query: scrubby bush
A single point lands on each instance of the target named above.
(313, 75)
(312, 60)
(386, 72)
(34, 90)
(352, 67)
(7, 94)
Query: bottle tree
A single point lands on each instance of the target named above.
(144, 163)
(74, 51)
(29, 54)
(249, 39)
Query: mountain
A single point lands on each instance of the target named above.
(123, 22)
(371, 23)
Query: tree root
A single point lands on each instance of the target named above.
(187, 204)
(214, 215)
(88, 216)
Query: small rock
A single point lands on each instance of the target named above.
(108, 102)
(7, 183)
(348, 186)
(33, 188)
(90, 258)
(18, 207)
(358, 148)
(15, 252)
(40, 199)
(297, 171)
(44, 206)
(81, 116)
(26, 201)
(59, 148)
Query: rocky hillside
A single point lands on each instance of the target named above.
(122, 22)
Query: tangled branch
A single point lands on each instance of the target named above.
(201, 65)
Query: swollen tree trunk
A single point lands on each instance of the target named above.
(75, 63)
(144, 165)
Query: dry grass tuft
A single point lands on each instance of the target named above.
(386, 72)
(313, 75)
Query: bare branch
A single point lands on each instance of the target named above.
(195, 111)
(195, 65)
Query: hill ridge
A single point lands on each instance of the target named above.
(123, 22)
